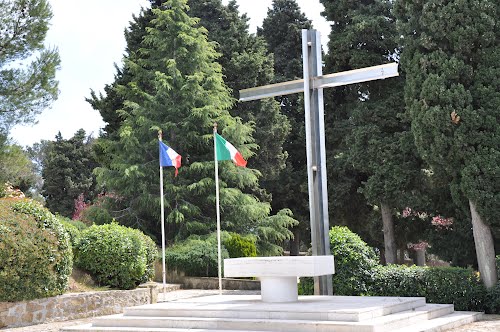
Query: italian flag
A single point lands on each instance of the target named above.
(226, 151)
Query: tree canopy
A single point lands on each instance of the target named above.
(176, 85)
(282, 30)
(67, 167)
(451, 55)
(27, 67)
(16, 167)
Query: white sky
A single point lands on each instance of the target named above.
(89, 36)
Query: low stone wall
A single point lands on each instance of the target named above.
(213, 283)
(178, 277)
(72, 306)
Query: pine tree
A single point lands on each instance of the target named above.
(451, 56)
(67, 171)
(245, 63)
(282, 30)
(16, 168)
(176, 85)
(27, 68)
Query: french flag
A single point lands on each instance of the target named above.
(168, 157)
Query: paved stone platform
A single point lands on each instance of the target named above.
(247, 313)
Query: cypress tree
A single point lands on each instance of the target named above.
(375, 138)
(451, 55)
(67, 171)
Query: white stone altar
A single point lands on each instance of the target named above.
(278, 275)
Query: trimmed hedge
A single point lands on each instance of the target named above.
(35, 252)
(498, 266)
(196, 257)
(239, 246)
(117, 256)
(354, 262)
(459, 286)
(73, 228)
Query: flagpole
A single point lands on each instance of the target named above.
(164, 271)
(217, 210)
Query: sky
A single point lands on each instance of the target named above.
(90, 39)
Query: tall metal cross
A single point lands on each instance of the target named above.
(312, 85)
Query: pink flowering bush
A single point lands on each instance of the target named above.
(80, 205)
(441, 222)
(97, 212)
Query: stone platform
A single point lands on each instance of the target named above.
(247, 313)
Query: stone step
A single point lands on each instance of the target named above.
(439, 324)
(317, 308)
(384, 323)
(443, 323)
(90, 328)
(246, 313)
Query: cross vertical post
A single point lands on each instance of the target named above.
(316, 154)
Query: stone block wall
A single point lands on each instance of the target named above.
(71, 306)
(213, 283)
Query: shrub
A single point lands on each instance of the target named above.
(77, 223)
(239, 246)
(117, 256)
(71, 228)
(196, 257)
(397, 280)
(35, 252)
(459, 286)
(492, 305)
(354, 262)
(498, 266)
(306, 286)
(456, 285)
(95, 214)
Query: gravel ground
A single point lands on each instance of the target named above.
(489, 323)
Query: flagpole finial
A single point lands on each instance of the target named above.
(160, 135)
(215, 127)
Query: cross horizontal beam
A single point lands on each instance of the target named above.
(325, 81)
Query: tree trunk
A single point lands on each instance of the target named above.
(420, 257)
(389, 239)
(382, 257)
(295, 243)
(485, 250)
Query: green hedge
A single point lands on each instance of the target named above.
(354, 262)
(96, 215)
(35, 252)
(117, 256)
(239, 246)
(72, 227)
(459, 286)
(498, 266)
(196, 257)
(492, 304)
